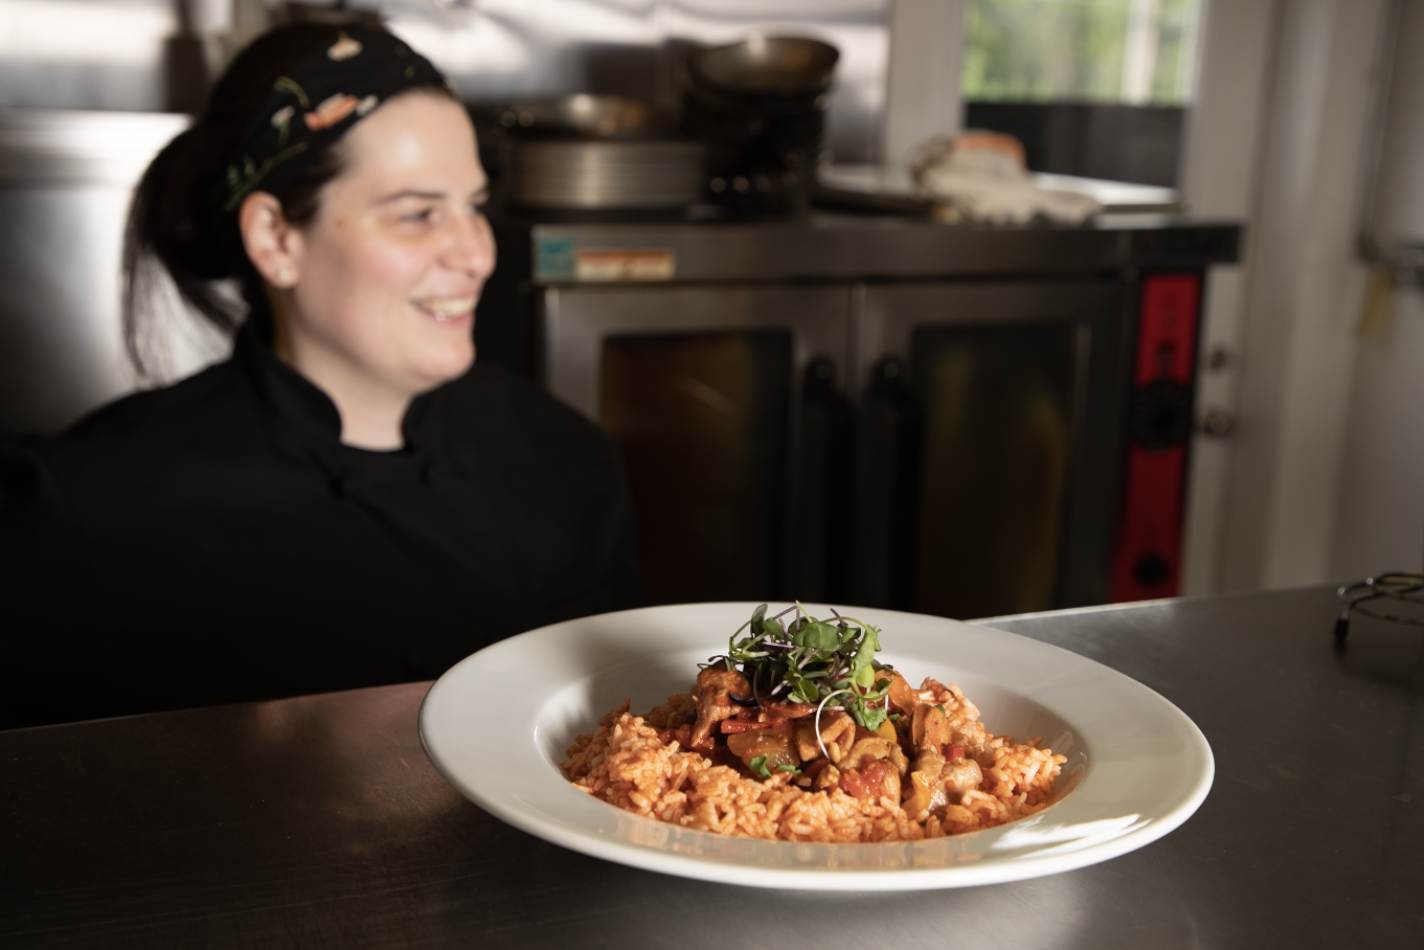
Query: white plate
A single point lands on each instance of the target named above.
(498, 723)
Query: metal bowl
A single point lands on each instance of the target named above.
(767, 66)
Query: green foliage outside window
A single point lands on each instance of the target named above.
(1135, 51)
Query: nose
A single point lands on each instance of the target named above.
(471, 248)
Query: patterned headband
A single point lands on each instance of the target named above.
(314, 102)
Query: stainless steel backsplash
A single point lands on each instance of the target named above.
(121, 54)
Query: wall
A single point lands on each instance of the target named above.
(1264, 509)
(1380, 514)
(1221, 165)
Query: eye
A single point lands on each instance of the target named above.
(420, 215)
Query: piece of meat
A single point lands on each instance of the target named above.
(924, 792)
(713, 685)
(837, 733)
(930, 729)
(806, 745)
(866, 750)
(960, 776)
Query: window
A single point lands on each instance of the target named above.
(1092, 87)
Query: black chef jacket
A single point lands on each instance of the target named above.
(214, 541)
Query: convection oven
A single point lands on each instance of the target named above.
(868, 410)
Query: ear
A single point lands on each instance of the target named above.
(273, 244)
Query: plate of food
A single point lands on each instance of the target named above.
(812, 746)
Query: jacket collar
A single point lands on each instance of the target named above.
(306, 415)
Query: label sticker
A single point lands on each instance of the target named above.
(554, 258)
(623, 264)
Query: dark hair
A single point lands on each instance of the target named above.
(176, 221)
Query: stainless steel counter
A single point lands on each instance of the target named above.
(842, 247)
(318, 822)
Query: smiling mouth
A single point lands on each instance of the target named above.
(445, 309)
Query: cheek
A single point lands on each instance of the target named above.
(398, 267)
(348, 264)
(385, 268)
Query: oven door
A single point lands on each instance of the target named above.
(992, 434)
(725, 404)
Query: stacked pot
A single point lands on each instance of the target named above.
(760, 107)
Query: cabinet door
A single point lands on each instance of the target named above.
(992, 440)
(721, 402)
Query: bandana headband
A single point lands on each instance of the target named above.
(315, 102)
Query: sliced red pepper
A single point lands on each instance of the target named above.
(731, 727)
(734, 726)
(955, 752)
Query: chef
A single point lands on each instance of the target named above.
(350, 499)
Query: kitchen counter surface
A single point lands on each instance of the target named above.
(843, 246)
(318, 822)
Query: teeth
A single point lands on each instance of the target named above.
(447, 309)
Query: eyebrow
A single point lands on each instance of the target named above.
(479, 195)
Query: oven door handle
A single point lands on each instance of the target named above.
(887, 490)
(827, 487)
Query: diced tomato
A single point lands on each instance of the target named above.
(869, 782)
(954, 752)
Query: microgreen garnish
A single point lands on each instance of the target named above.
(828, 663)
(758, 765)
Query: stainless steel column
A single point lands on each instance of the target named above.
(65, 181)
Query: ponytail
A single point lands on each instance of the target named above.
(176, 223)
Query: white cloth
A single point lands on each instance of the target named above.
(988, 185)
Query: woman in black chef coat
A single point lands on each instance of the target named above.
(349, 500)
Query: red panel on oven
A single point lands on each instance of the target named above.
(1167, 329)
(1147, 562)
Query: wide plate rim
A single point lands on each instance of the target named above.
(447, 745)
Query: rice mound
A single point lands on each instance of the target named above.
(626, 764)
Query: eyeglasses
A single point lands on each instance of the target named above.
(1371, 595)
